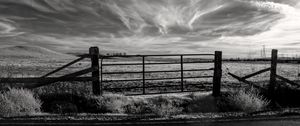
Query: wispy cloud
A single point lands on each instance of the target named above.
(7, 29)
(156, 26)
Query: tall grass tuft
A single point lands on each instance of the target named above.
(160, 106)
(18, 102)
(247, 100)
(165, 106)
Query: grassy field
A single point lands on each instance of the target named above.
(67, 97)
(36, 68)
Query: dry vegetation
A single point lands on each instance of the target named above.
(19, 102)
(77, 97)
(247, 100)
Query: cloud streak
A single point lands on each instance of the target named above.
(7, 29)
(156, 26)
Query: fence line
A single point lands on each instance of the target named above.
(46, 80)
(273, 76)
(97, 72)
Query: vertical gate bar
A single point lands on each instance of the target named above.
(273, 74)
(101, 76)
(181, 63)
(217, 73)
(144, 90)
(94, 53)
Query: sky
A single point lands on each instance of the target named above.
(239, 28)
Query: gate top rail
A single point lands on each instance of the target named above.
(152, 55)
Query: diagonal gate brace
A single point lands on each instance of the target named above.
(245, 81)
(69, 64)
(256, 73)
(76, 74)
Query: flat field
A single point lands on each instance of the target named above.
(33, 67)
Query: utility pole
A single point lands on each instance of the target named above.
(263, 52)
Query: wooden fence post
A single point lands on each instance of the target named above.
(272, 84)
(94, 53)
(217, 73)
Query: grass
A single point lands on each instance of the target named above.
(77, 88)
(159, 105)
(70, 98)
(202, 103)
(169, 105)
(18, 102)
(138, 105)
(37, 68)
(113, 103)
(247, 100)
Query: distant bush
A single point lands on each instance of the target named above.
(247, 100)
(18, 102)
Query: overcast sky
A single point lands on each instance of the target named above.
(236, 27)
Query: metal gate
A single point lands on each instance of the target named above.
(157, 61)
